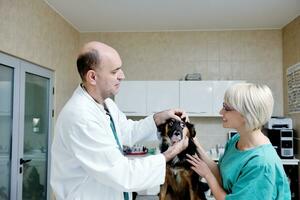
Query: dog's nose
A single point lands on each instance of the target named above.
(177, 133)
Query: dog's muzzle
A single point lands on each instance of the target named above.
(176, 136)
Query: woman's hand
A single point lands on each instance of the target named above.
(199, 166)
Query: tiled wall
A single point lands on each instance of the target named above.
(31, 30)
(291, 56)
(254, 56)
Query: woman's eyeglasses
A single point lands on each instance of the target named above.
(227, 107)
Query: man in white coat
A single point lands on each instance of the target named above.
(87, 161)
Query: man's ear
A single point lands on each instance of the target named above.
(91, 77)
(191, 128)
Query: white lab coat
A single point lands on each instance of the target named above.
(86, 162)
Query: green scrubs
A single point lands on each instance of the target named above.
(253, 174)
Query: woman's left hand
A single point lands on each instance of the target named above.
(198, 165)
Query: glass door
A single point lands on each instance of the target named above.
(25, 129)
(6, 122)
(36, 126)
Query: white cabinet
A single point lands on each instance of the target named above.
(162, 95)
(196, 97)
(140, 98)
(131, 98)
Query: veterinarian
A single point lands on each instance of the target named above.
(250, 167)
(87, 162)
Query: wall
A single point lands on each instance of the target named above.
(31, 30)
(254, 56)
(291, 56)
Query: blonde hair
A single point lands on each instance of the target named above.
(255, 102)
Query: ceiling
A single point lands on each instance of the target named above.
(175, 15)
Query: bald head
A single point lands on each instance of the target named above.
(92, 55)
(101, 47)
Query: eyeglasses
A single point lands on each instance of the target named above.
(227, 108)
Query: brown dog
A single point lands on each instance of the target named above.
(181, 183)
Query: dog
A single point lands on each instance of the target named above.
(181, 182)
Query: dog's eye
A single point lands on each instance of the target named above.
(171, 123)
(182, 125)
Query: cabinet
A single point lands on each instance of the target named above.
(131, 98)
(141, 98)
(162, 95)
(197, 98)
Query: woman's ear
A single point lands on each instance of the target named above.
(91, 77)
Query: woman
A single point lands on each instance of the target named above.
(250, 167)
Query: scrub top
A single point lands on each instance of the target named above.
(253, 174)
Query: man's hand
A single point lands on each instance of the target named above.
(163, 116)
(177, 148)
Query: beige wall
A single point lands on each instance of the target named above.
(31, 30)
(254, 56)
(291, 56)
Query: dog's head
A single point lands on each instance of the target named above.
(172, 132)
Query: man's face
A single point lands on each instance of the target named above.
(109, 75)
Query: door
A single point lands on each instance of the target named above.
(35, 121)
(6, 94)
(25, 127)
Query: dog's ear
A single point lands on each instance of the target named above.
(162, 129)
(191, 128)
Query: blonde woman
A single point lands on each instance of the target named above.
(250, 167)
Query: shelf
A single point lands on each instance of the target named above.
(290, 161)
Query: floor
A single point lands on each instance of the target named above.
(146, 197)
(149, 197)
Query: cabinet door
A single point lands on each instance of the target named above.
(196, 97)
(219, 89)
(131, 98)
(162, 95)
